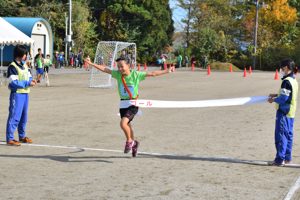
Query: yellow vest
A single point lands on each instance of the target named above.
(22, 76)
(293, 105)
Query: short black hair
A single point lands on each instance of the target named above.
(125, 58)
(289, 63)
(39, 49)
(20, 51)
(47, 55)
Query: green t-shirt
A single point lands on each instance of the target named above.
(132, 82)
(39, 63)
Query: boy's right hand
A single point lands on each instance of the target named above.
(273, 95)
(88, 61)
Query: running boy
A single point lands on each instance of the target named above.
(286, 103)
(47, 64)
(20, 79)
(39, 68)
(128, 84)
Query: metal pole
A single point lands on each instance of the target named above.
(2, 73)
(255, 35)
(70, 23)
(66, 40)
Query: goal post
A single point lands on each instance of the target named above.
(107, 52)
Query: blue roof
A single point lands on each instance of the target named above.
(24, 24)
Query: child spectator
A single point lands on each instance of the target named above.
(20, 79)
(286, 103)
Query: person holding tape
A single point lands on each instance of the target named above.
(286, 103)
(128, 85)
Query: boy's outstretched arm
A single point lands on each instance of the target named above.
(100, 67)
(157, 73)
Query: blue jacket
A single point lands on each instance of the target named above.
(12, 75)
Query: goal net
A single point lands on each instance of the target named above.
(106, 54)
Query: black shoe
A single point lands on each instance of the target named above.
(135, 148)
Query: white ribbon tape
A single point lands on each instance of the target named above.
(193, 104)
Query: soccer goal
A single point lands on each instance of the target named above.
(106, 54)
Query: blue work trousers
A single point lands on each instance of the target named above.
(283, 137)
(17, 117)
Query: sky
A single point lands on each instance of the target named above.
(178, 13)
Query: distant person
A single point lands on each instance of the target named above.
(75, 62)
(124, 55)
(80, 61)
(20, 80)
(71, 58)
(39, 65)
(286, 103)
(193, 60)
(186, 61)
(47, 64)
(28, 60)
(204, 61)
(56, 60)
(61, 59)
(179, 59)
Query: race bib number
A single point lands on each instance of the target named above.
(124, 91)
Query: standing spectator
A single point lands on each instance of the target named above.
(87, 64)
(71, 58)
(79, 57)
(61, 59)
(20, 80)
(39, 64)
(57, 60)
(75, 61)
(193, 61)
(186, 61)
(28, 60)
(204, 61)
(179, 59)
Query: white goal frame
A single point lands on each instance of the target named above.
(107, 52)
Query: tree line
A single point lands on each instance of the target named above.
(224, 30)
(148, 23)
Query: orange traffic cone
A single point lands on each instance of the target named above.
(165, 66)
(250, 71)
(296, 71)
(103, 64)
(139, 67)
(145, 68)
(276, 75)
(174, 66)
(84, 64)
(208, 70)
(114, 64)
(245, 72)
(192, 66)
(230, 68)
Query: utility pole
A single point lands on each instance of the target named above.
(255, 35)
(66, 40)
(70, 23)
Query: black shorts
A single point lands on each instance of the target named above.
(129, 112)
(46, 69)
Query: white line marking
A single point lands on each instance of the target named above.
(288, 196)
(147, 153)
(293, 189)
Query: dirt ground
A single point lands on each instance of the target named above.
(78, 145)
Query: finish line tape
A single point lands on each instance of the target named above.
(193, 104)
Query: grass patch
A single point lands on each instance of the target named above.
(223, 66)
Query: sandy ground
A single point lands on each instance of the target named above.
(69, 114)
